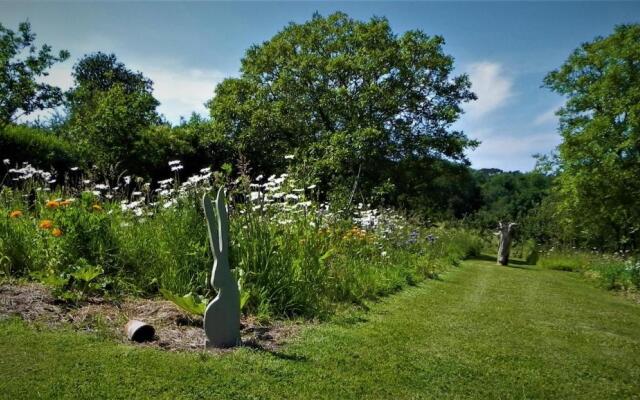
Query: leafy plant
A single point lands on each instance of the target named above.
(74, 285)
(87, 273)
(190, 302)
(49, 278)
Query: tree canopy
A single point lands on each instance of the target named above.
(21, 64)
(109, 107)
(351, 98)
(599, 158)
(509, 196)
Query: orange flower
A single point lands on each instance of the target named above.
(52, 204)
(96, 207)
(355, 232)
(15, 214)
(46, 224)
(57, 232)
(65, 203)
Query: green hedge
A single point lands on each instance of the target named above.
(38, 147)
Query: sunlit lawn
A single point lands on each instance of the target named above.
(482, 332)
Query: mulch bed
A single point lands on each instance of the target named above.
(175, 330)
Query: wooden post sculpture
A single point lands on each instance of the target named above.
(505, 232)
(222, 315)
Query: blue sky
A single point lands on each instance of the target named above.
(187, 48)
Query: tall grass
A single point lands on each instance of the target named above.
(613, 271)
(291, 256)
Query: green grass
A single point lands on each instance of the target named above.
(483, 331)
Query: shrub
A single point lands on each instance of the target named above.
(38, 147)
(613, 271)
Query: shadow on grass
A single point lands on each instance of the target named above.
(350, 320)
(512, 263)
(277, 354)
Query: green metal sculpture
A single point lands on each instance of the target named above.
(222, 316)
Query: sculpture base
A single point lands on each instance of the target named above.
(211, 345)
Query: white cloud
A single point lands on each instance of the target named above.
(179, 90)
(492, 86)
(512, 152)
(60, 75)
(547, 117)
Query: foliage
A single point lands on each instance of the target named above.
(291, 256)
(76, 283)
(193, 141)
(613, 271)
(434, 189)
(599, 158)
(42, 149)
(109, 107)
(20, 91)
(348, 98)
(509, 196)
(531, 252)
(191, 303)
(393, 145)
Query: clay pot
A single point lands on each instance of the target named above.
(138, 331)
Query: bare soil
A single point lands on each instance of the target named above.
(175, 330)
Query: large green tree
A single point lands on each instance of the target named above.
(109, 109)
(350, 98)
(21, 64)
(599, 157)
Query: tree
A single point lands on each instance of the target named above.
(109, 109)
(434, 188)
(21, 63)
(99, 72)
(351, 98)
(509, 196)
(599, 157)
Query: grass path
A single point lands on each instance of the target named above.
(482, 332)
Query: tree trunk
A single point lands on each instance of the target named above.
(505, 232)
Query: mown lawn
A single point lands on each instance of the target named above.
(482, 332)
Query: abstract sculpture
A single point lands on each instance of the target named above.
(505, 232)
(222, 315)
